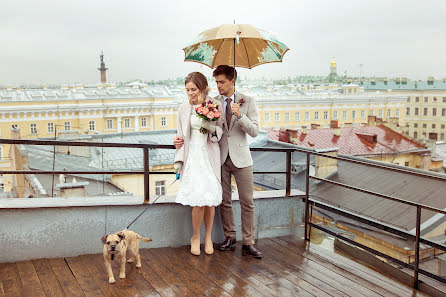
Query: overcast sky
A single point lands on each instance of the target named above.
(54, 41)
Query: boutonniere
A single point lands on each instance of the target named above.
(241, 102)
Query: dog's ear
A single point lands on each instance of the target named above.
(121, 235)
(104, 238)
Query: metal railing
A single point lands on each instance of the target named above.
(146, 160)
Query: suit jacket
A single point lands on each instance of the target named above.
(234, 140)
(211, 139)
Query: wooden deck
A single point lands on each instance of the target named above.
(290, 267)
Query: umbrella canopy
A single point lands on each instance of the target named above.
(235, 44)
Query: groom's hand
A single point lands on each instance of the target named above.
(236, 109)
(178, 142)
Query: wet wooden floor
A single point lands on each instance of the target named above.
(290, 267)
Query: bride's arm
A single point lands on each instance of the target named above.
(179, 154)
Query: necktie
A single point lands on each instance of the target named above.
(228, 111)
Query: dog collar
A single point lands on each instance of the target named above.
(112, 256)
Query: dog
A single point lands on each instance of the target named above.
(117, 244)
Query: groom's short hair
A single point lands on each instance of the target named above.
(228, 71)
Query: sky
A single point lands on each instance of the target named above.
(59, 42)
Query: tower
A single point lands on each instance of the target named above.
(332, 77)
(103, 69)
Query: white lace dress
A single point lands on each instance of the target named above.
(199, 185)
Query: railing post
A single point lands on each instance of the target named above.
(288, 174)
(417, 249)
(307, 196)
(146, 175)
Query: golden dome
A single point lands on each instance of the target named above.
(333, 62)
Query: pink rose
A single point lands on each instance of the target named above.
(217, 114)
(210, 115)
(199, 109)
(205, 111)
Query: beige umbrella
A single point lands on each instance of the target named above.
(235, 44)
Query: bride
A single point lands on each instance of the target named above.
(198, 161)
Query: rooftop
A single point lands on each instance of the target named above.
(290, 267)
(355, 141)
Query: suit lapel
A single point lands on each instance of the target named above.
(234, 117)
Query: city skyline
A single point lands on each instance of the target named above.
(54, 43)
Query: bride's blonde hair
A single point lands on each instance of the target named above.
(198, 79)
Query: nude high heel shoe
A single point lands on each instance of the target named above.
(195, 247)
(208, 247)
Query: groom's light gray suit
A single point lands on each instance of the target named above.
(236, 159)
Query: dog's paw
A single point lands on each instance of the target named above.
(138, 265)
(130, 260)
(122, 275)
(111, 281)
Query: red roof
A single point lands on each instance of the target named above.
(355, 140)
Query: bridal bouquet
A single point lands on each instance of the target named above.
(208, 111)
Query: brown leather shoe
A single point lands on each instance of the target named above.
(251, 250)
(228, 244)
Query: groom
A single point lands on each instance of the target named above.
(239, 119)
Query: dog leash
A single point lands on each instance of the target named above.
(176, 178)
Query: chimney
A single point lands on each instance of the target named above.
(292, 134)
(369, 137)
(74, 189)
(315, 126)
(337, 131)
(17, 160)
(371, 120)
(348, 125)
(432, 144)
(304, 130)
(284, 136)
(325, 167)
(334, 123)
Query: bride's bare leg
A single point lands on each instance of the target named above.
(209, 212)
(197, 219)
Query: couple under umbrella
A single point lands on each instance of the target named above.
(210, 150)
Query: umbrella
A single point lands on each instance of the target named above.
(235, 44)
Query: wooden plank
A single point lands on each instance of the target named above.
(278, 267)
(166, 274)
(284, 261)
(68, 282)
(263, 284)
(355, 282)
(47, 278)
(83, 277)
(198, 280)
(12, 285)
(359, 269)
(221, 276)
(2, 292)
(98, 276)
(154, 279)
(30, 281)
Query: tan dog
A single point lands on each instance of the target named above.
(117, 244)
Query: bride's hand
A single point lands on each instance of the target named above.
(177, 167)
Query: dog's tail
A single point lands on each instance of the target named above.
(145, 239)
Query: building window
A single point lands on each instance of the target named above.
(109, 124)
(389, 113)
(160, 187)
(424, 134)
(91, 125)
(267, 117)
(2, 187)
(33, 128)
(50, 127)
(408, 99)
(353, 114)
(277, 117)
(371, 112)
(287, 116)
(426, 99)
(444, 99)
(362, 114)
(434, 112)
(443, 112)
(417, 99)
(415, 134)
(67, 126)
(307, 116)
(163, 122)
(297, 116)
(316, 115)
(344, 114)
(415, 125)
(325, 115)
(380, 113)
(442, 126)
(397, 113)
(406, 163)
(143, 122)
(433, 126)
(335, 115)
(416, 110)
(425, 111)
(127, 123)
(407, 111)
(424, 126)
(441, 136)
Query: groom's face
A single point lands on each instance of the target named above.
(224, 85)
